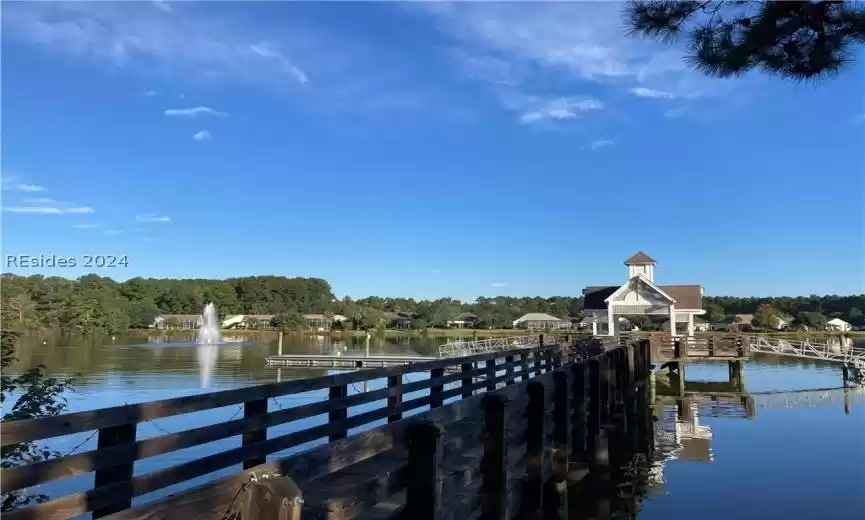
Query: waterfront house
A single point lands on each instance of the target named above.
(838, 325)
(233, 321)
(539, 320)
(338, 318)
(398, 320)
(700, 325)
(317, 321)
(641, 296)
(177, 321)
(463, 320)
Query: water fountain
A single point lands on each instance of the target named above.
(207, 341)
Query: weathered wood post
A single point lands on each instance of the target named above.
(121, 472)
(437, 389)
(394, 384)
(279, 344)
(534, 483)
(595, 444)
(561, 407)
(467, 380)
(340, 414)
(424, 471)
(494, 463)
(251, 409)
(578, 444)
(275, 497)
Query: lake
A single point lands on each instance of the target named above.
(792, 463)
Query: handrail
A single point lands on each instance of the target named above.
(118, 449)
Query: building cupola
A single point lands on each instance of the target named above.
(641, 264)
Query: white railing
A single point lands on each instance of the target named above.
(469, 348)
(852, 356)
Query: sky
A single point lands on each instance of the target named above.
(418, 150)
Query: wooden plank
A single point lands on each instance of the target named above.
(121, 472)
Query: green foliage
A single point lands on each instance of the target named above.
(798, 40)
(289, 321)
(96, 304)
(38, 396)
(766, 317)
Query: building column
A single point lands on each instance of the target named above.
(611, 321)
(673, 320)
(594, 326)
(690, 324)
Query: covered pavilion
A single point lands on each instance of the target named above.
(641, 296)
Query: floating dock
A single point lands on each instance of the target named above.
(347, 361)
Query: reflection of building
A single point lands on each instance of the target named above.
(679, 435)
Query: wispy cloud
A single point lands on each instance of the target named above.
(152, 217)
(533, 109)
(499, 284)
(163, 6)
(674, 113)
(194, 112)
(651, 93)
(113, 232)
(84, 226)
(203, 135)
(141, 37)
(150, 93)
(561, 45)
(40, 200)
(29, 188)
(48, 210)
(600, 143)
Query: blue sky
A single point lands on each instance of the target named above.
(419, 150)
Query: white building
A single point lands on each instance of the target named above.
(539, 320)
(641, 296)
(839, 325)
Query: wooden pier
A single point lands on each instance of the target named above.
(546, 432)
(346, 361)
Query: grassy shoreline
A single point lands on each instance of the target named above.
(488, 333)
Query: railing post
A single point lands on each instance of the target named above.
(491, 375)
(467, 381)
(339, 415)
(122, 472)
(534, 484)
(494, 462)
(594, 442)
(423, 488)
(509, 370)
(524, 366)
(253, 409)
(275, 497)
(537, 361)
(436, 389)
(561, 406)
(393, 401)
(548, 360)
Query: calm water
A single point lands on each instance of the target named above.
(791, 463)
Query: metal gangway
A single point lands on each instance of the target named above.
(471, 347)
(849, 356)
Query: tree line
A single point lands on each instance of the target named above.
(97, 304)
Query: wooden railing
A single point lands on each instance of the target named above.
(475, 452)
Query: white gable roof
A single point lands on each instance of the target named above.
(837, 321)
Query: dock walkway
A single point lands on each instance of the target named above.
(515, 432)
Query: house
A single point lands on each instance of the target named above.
(700, 325)
(317, 321)
(463, 320)
(233, 321)
(784, 322)
(838, 325)
(338, 318)
(398, 320)
(641, 296)
(177, 321)
(539, 320)
(262, 320)
(743, 322)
